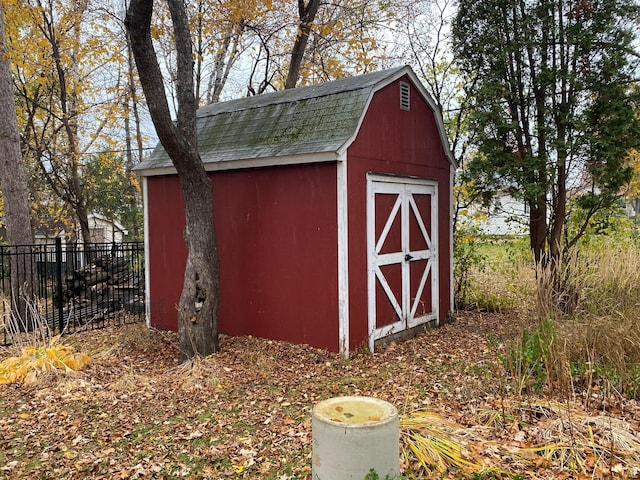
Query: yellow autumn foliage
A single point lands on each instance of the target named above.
(37, 361)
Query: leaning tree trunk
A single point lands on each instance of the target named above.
(14, 190)
(198, 306)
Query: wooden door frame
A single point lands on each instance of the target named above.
(404, 187)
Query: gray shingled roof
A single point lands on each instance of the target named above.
(313, 119)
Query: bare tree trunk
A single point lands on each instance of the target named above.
(14, 190)
(132, 96)
(222, 65)
(68, 79)
(307, 14)
(560, 204)
(538, 230)
(198, 306)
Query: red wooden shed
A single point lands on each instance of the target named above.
(332, 208)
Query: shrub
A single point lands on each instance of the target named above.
(530, 360)
(41, 353)
(37, 361)
(467, 259)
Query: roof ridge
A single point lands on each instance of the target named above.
(306, 92)
(305, 124)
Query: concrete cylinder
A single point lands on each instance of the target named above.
(352, 435)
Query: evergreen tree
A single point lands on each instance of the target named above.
(555, 109)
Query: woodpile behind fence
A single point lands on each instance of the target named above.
(107, 283)
(75, 286)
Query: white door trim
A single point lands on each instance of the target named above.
(343, 259)
(147, 252)
(406, 308)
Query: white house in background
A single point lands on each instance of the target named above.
(105, 230)
(633, 208)
(509, 216)
(504, 216)
(101, 228)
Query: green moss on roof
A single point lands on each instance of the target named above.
(314, 119)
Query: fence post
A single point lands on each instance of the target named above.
(5, 311)
(59, 284)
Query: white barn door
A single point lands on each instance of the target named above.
(402, 232)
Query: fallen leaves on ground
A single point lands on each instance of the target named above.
(245, 413)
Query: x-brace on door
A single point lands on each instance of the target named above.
(402, 254)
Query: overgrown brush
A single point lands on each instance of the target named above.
(492, 274)
(575, 442)
(531, 359)
(468, 259)
(588, 338)
(23, 323)
(604, 354)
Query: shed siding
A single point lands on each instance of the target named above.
(277, 241)
(399, 142)
(167, 250)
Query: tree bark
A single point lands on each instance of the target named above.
(14, 185)
(538, 229)
(307, 14)
(198, 305)
(14, 190)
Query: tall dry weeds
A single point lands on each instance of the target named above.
(597, 322)
(586, 332)
(504, 281)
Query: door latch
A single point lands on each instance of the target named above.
(407, 258)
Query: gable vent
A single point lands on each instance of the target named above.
(404, 96)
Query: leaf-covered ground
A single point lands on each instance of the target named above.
(246, 412)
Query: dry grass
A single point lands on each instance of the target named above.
(600, 338)
(584, 332)
(431, 441)
(564, 435)
(570, 438)
(37, 353)
(505, 280)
